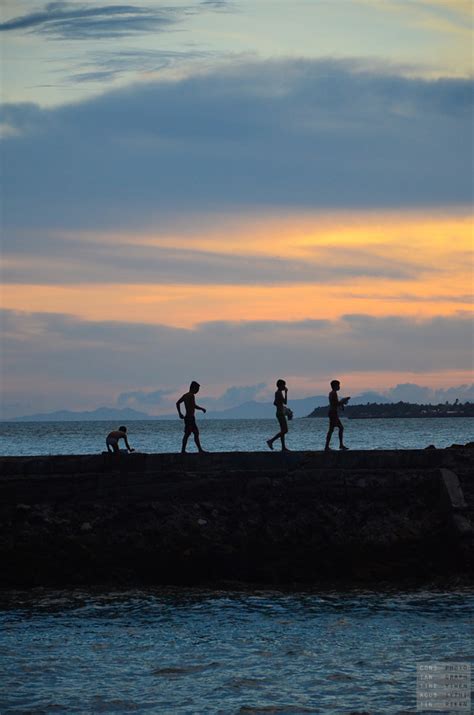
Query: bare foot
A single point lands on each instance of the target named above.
(270, 444)
(343, 446)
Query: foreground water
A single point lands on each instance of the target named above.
(26, 438)
(218, 652)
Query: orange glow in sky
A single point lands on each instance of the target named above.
(350, 255)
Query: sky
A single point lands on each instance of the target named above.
(234, 191)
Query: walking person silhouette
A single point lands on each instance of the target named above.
(280, 401)
(190, 426)
(334, 404)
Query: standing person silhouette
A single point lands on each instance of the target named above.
(190, 426)
(334, 404)
(280, 401)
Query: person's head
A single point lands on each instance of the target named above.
(122, 429)
(281, 384)
(194, 386)
(336, 385)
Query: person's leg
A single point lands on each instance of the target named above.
(283, 432)
(271, 441)
(328, 436)
(341, 437)
(197, 440)
(277, 436)
(185, 440)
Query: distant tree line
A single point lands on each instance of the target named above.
(401, 409)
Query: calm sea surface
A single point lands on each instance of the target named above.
(24, 438)
(199, 652)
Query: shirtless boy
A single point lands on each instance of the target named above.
(334, 404)
(190, 426)
(112, 440)
(280, 402)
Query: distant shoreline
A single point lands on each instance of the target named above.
(399, 410)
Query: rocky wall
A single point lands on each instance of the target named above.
(354, 518)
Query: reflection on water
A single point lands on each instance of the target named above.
(192, 651)
(26, 438)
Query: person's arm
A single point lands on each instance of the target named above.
(343, 401)
(127, 445)
(203, 409)
(285, 396)
(178, 407)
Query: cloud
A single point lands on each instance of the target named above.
(79, 21)
(236, 395)
(100, 66)
(218, 4)
(85, 21)
(287, 134)
(141, 398)
(410, 392)
(165, 399)
(68, 356)
(42, 259)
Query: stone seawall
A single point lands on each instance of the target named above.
(359, 517)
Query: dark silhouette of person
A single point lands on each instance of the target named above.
(334, 405)
(113, 438)
(190, 426)
(280, 401)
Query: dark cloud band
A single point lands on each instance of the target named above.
(274, 135)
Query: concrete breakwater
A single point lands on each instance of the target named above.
(359, 517)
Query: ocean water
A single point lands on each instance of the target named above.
(201, 652)
(28, 438)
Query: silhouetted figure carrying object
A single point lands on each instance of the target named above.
(113, 438)
(190, 426)
(280, 401)
(334, 405)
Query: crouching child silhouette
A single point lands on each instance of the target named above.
(335, 404)
(190, 426)
(113, 438)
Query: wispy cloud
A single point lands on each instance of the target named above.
(53, 260)
(102, 67)
(73, 21)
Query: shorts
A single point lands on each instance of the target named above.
(190, 426)
(112, 442)
(282, 420)
(334, 421)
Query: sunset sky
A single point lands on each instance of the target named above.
(234, 191)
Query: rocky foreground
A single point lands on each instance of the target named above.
(301, 518)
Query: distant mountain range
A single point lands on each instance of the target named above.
(248, 410)
(105, 414)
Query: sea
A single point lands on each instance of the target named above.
(242, 435)
(240, 651)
